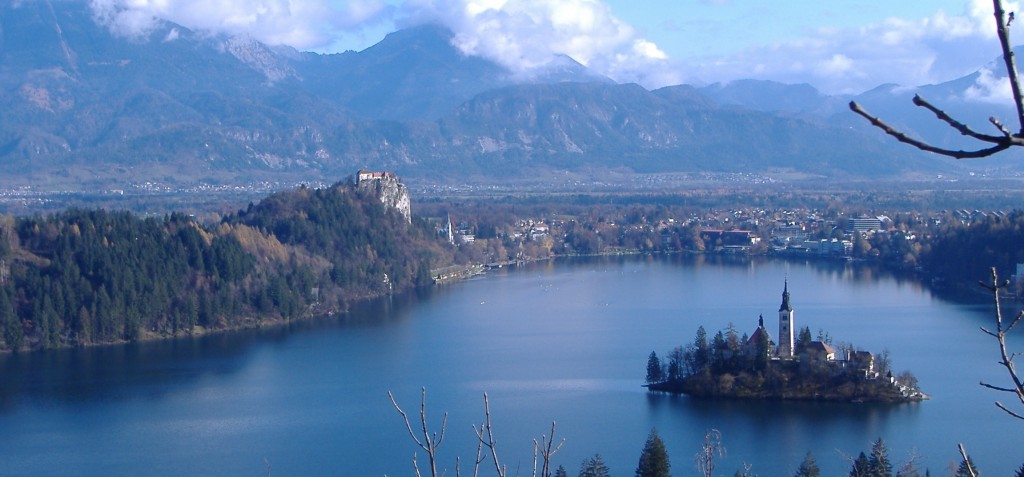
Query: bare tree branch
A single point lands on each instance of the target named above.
(1008, 59)
(546, 451)
(1003, 144)
(997, 388)
(962, 128)
(1006, 358)
(999, 143)
(488, 440)
(430, 441)
(1008, 411)
(704, 460)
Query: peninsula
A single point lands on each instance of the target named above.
(796, 368)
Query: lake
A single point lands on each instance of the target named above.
(563, 341)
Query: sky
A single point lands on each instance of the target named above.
(838, 46)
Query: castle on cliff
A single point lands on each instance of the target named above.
(392, 192)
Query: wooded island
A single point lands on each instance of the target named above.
(796, 368)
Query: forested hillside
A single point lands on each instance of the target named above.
(94, 276)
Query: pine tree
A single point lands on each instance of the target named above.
(560, 472)
(14, 334)
(700, 346)
(808, 468)
(594, 467)
(653, 459)
(654, 374)
(861, 466)
(966, 469)
(878, 463)
(1020, 471)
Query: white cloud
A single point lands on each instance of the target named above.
(914, 52)
(838, 64)
(528, 34)
(303, 24)
(990, 88)
(520, 34)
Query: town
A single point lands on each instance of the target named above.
(913, 242)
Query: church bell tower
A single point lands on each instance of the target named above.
(786, 325)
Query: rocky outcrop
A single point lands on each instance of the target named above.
(392, 192)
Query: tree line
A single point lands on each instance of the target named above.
(82, 277)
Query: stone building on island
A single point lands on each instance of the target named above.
(813, 353)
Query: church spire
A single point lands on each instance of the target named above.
(785, 298)
(786, 326)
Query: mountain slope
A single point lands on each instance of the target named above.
(86, 108)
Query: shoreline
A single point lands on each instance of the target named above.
(462, 272)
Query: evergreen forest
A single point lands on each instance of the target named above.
(81, 277)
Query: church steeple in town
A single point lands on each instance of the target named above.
(786, 325)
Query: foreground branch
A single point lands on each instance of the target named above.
(998, 143)
(546, 449)
(485, 437)
(430, 441)
(1006, 358)
(1001, 142)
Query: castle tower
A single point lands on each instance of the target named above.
(786, 325)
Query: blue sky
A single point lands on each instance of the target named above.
(839, 46)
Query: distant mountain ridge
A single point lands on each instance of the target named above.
(86, 108)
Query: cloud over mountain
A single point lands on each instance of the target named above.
(522, 35)
(303, 24)
(527, 35)
(903, 51)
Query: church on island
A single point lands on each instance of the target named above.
(807, 352)
(795, 367)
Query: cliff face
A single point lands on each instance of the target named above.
(392, 192)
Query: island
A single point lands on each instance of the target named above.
(798, 367)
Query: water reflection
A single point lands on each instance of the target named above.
(152, 368)
(777, 413)
(563, 340)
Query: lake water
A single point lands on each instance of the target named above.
(565, 341)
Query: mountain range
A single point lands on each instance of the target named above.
(85, 108)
